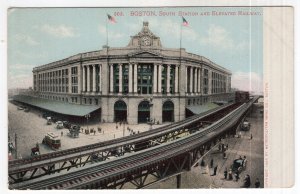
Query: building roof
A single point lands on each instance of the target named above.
(56, 106)
(202, 108)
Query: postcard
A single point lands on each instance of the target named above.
(150, 97)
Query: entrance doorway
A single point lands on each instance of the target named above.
(144, 112)
(120, 109)
(168, 112)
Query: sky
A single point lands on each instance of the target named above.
(38, 36)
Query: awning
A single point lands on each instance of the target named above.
(56, 106)
(202, 108)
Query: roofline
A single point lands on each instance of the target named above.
(97, 54)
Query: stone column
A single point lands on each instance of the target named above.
(61, 83)
(199, 81)
(191, 80)
(88, 77)
(100, 77)
(202, 80)
(135, 78)
(94, 78)
(159, 78)
(79, 79)
(130, 78)
(111, 79)
(70, 80)
(168, 78)
(155, 79)
(195, 79)
(83, 79)
(120, 78)
(176, 79)
(209, 82)
(105, 78)
(186, 79)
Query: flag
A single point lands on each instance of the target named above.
(184, 22)
(111, 19)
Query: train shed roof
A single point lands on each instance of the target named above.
(56, 106)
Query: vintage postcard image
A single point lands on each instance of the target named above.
(130, 98)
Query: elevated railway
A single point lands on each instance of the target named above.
(26, 169)
(159, 161)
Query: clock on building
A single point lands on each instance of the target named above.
(146, 41)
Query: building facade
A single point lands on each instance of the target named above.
(139, 83)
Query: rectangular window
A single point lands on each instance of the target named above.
(144, 90)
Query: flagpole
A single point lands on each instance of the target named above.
(106, 33)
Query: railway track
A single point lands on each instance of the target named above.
(70, 153)
(120, 167)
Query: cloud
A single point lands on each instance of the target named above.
(61, 31)
(26, 39)
(218, 37)
(30, 55)
(247, 81)
(111, 33)
(20, 67)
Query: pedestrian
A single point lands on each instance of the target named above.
(244, 162)
(225, 173)
(202, 163)
(223, 148)
(219, 147)
(227, 146)
(230, 174)
(237, 176)
(215, 170)
(62, 133)
(224, 155)
(251, 136)
(211, 163)
(247, 182)
(116, 126)
(206, 170)
(257, 183)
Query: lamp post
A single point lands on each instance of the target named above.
(87, 118)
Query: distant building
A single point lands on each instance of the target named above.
(139, 83)
(20, 91)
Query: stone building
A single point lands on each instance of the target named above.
(139, 83)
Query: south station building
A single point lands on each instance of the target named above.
(138, 83)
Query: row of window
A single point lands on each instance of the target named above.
(197, 101)
(59, 98)
(90, 101)
(218, 83)
(144, 78)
